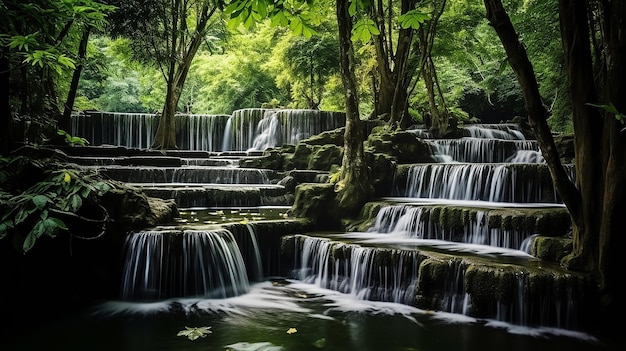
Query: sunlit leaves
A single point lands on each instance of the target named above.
(194, 333)
(412, 19)
(297, 15)
(364, 29)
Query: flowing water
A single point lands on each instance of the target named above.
(212, 268)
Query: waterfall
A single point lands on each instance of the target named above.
(493, 131)
(366, 273)
(188, 174)
(160, 265)
(486, 182)
(424, 222)
(200, 132)
(267, 132)
(480, 150)
(245, 129)
(227, 134)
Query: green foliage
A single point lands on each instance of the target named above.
(300, 16)
(40, 20)
(39, 196)
(363, 30)
(72, 140)
(412, 19)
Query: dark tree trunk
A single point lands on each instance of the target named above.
(600, 145)
(353, 188)
(598, 204)
(65, 122)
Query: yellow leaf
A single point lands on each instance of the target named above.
(292, 330)
(244, 221)
(67, 178)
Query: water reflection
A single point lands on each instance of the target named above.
(290, 315)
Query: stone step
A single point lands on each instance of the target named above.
(187, 195)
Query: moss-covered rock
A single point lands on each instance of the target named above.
(403, 146)
(330, 137)
(316, 202)
(551, 248)
(271, 159)
(300, 157)
(324, 157)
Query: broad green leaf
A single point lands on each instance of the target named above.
(50, 227)
(279, 19)
(33, 235)
(75, 202)
(22, 214)
(363, 30)
(40, 201)
(4, 228)
(296, 26)
(102, 187)
(412, 19)
(352, 8)
(59, 223)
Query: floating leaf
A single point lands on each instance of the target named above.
(292, 331)
(195, 333)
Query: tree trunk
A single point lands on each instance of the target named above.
(599, 145)
(65, 122)
(394, 77)
(354, 188)
(598, 204)
(165, 137)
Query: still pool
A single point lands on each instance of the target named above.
(287, 315)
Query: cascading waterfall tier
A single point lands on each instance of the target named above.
(497, 227)
(246, 129)
(191, 263)
(259, 129)
(480, 150)
(495, 182)
(516, 289)
(359, 271)
(188, 175)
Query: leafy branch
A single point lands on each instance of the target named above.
(62, 195)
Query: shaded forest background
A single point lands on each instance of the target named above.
(270, 66)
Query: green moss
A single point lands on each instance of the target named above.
(324, 157)
(316, 201)
(551, 248)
